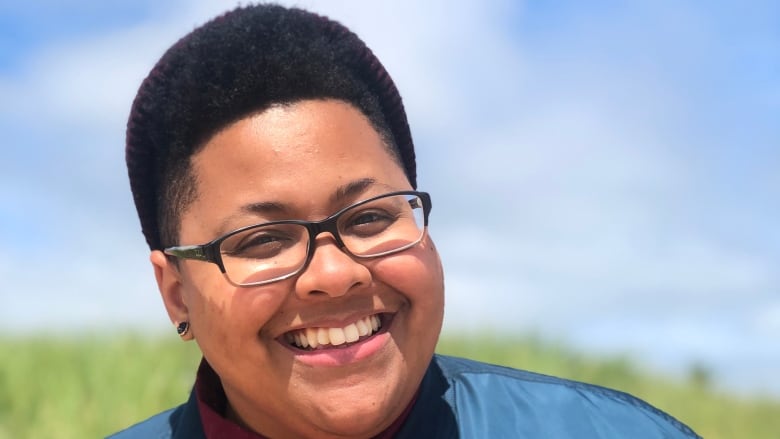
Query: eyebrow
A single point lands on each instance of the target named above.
(263, 207)
(254, 209)
(268, 208)
(351, 189)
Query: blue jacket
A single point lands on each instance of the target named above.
(466, 399)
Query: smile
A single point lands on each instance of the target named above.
(323, 338)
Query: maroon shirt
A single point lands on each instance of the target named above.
(212, 405)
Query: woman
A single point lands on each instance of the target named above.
(273, 172)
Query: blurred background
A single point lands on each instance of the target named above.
(603, 173)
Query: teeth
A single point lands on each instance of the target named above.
(351, 333)
(336, 336)
(311, 335)
(322, 336)
(362, 328)
(314, 337)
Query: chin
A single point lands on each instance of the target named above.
(361, 408)
(356, 421)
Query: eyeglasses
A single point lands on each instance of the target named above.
(272, 251)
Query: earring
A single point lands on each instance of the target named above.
(183, 328)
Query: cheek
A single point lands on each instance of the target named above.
(417, 274)
(224, 312)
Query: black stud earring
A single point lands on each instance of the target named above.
(182, 328)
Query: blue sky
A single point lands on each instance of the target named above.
(602, 173)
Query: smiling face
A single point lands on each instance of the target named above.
(307, 160)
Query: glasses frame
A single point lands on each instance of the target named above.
(209, 252)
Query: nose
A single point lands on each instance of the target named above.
(331, 271)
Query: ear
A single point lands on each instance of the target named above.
(169, 283)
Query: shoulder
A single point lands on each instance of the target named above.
(156, 427)
(179, 422)
(486, 395)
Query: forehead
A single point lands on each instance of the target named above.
(321, 131)
(293, 154)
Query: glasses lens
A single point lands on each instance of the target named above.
(264, 253)
(269, 252)
(382, 226)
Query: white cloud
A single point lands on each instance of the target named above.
(767, 319)
(92, 80)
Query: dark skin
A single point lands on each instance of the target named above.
(306, 161)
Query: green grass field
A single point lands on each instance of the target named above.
(86, 387)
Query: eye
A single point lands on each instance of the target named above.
(367, 218)
(368, 222)
(258, 244)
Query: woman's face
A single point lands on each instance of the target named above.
(307, 160)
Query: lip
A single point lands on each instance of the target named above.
(344, 354)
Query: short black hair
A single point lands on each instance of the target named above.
(238, 64)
